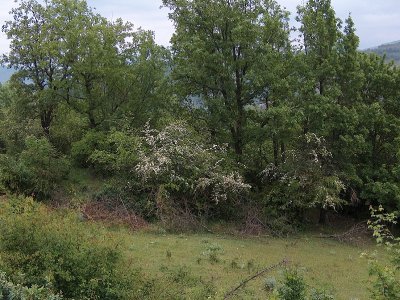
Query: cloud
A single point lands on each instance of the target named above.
(145, 14)
(377, 22)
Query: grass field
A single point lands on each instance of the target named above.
(225, 261)
(189, 263)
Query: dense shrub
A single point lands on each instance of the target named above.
(68, 127)
(44, 164)
(131, 195)
(175, 167)
(118, 154)
(183, 167)
(303, 181)
(294, 287)
(11, 291)
(36, 171)
(84, 148)
(14, 176)
(41, 248)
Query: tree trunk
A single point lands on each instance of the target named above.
(283, 152)
(237, 140)
(91, 104)
(322, 216)
(276, 150)
(46, 117)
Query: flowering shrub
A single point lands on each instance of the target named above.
(187, 168)
(173, 167)
(304, 180)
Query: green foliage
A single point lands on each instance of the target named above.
(64, 51)
(135, 197)
(119, 153)
(276, 127)
(293, 286)
(11, 291)
(38, 247)
(14, 176)
(38, 170)
(84, 148)
(181, 167)
(225, 53)
(44, 164)
(386, 284)
(14, 126)
(68, 127)
(303, 181)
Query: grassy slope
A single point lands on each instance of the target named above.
(324, 262)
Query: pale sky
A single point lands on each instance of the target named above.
(377, 21)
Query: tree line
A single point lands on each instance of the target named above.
(235, 117)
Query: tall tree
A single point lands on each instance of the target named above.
(318, 63)
(39, 51)
(320, 32)
(220, 48)
(97, 66)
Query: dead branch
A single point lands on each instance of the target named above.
(112, 214)
(351, 235)
(229, 294)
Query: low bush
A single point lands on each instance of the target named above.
(385, 278)
(293, 286)
(41, 248)
(36, 171)
(83, 149)
(11, 291)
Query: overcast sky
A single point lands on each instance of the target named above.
(377, 21)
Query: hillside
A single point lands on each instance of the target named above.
(392, 51)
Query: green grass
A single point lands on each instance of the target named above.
(187, 263)
(324, 263)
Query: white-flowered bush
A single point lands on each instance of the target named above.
(174, 165)
(176, 158)
(305, 179)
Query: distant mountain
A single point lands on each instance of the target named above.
(5, 74)
(392, 51)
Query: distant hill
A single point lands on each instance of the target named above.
(392, 51)
(5, 74)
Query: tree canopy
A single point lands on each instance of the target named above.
(234, 117)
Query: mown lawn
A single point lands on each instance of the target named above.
(226, 261)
